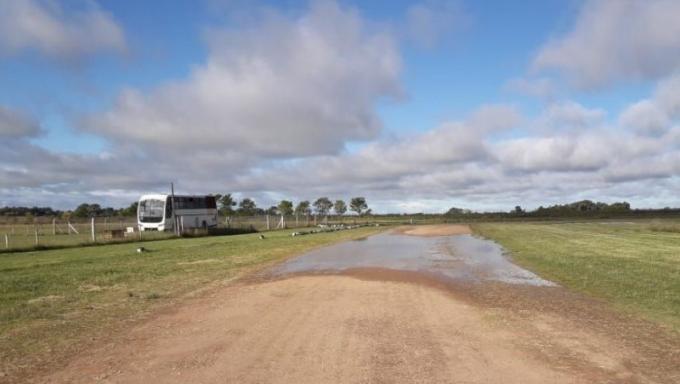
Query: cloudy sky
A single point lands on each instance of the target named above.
(417, 105)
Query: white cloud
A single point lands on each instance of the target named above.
(280, 88)
(559, 154)
(645, 116)
(569, 115)
(44, 26)
(657, 114)
(615, 41)
(14, 124)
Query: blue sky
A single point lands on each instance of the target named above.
(494, 103)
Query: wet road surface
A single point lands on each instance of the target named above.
(459, 258)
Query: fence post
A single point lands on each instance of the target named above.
(54, 227)
(36, 234)
(6, 241)
(268, 222)
(94, 237)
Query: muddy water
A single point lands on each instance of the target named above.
(459, 257)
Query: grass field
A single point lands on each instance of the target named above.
(634, 265)
(51, 301)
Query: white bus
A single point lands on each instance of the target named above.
(156, 212)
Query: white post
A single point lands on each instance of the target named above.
(54, 227)
(6, 241)
(297, 224)
(68, 226)
(36, 234)
(268, 222)
(94, 237)
(181, 225)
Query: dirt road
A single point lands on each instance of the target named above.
(372, 325)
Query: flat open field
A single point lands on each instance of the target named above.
(425, 304)
(635, 264)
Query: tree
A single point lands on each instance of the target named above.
(453, 211)
(225, 204)
(130, 211)
(273, 210)
(247, 207)
(302, 208)
(358, 205)
(87, 210)
(285, 207)
(340, 207)
(323, 205)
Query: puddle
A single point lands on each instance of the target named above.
(459, 257)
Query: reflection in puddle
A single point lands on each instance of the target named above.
(460, 257)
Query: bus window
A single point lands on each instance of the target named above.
(151, 211)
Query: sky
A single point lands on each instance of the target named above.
(416, 105)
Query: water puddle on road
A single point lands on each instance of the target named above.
(459, 257)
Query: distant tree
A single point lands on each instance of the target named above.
(129, 211)
(273, 210)
(285, 207)
(226, 204)
(323, 205)
(518, 210)
(340, 207)
(87, 210)
(302, 208)
(358, 205)
(247, 207)
(453, 211)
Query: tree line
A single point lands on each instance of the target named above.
(82, 210)
(582, 208)
(323, 206)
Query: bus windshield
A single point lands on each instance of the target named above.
(151, 211)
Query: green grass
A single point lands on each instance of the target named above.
(50, 300)
(634, 265)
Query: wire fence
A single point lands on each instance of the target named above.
(20, 233)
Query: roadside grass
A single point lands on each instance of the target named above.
(53, 302)
(633, 265)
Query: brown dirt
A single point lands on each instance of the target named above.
(372, 326)
(435, 230)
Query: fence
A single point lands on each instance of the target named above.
(18, 233)
(26, 233)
